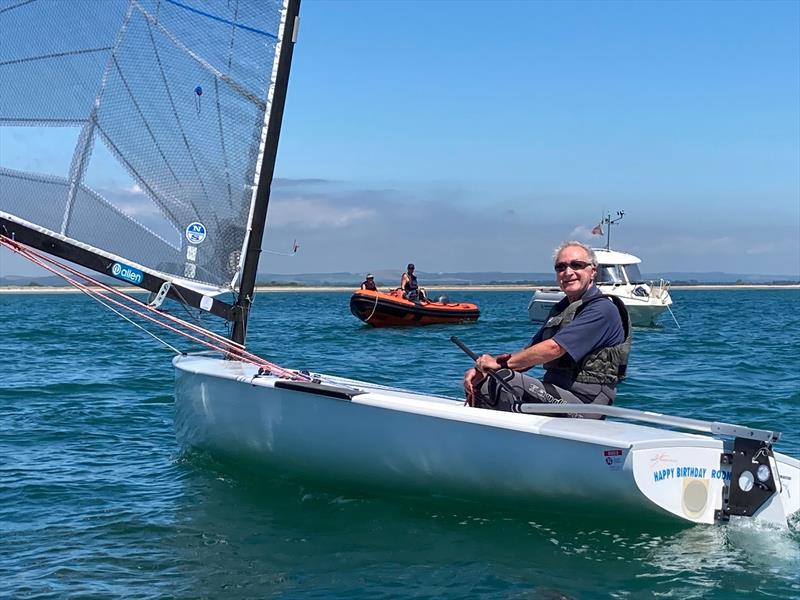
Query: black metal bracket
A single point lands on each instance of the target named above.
(319, 389)
(748, 492)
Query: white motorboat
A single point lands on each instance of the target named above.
(189, 100)
(618, 275)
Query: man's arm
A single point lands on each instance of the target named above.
(524, 359)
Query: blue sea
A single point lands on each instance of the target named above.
(98, 501)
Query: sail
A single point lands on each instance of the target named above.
(168, 103)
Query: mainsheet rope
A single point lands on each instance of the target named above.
(214, 341)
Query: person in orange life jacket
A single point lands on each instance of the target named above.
(409, 285)
(583, 345)
(369, 283)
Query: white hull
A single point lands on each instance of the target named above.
(643, 311)
(437, 447)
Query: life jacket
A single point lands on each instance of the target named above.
(411, 288)
(604, 367)
(369, 285)
(411, 285)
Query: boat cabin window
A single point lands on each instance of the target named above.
(634, 275)
(609, 274)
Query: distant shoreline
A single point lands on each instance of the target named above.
(42, 289)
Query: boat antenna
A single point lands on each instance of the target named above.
(608, 221)
(258, 221)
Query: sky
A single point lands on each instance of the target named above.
(476, 136)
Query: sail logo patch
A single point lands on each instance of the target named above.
(127, 273)
(195, 232)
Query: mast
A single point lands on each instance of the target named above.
(258, 222)
(609, 222)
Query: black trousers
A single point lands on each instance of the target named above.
(529, 389)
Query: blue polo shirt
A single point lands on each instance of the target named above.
(597, 325)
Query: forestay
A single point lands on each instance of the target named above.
(169, 102)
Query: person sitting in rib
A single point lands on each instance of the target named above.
(369, 283)
(583, 346)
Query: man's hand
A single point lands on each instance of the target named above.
(487, 362)
(472, 381)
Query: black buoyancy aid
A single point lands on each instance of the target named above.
(604, 366)
(411, 285)
(369, 285)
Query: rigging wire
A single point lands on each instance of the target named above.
(97, 295)
(43, 257)
(96, 298)
(214, 342)
(185, 305)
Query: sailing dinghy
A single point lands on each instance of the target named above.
(181, 102)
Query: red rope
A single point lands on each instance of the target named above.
(217, 342)
(95, 282)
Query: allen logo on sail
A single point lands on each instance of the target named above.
(127, 273)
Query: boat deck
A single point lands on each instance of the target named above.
(613, 434)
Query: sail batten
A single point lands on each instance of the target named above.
(177, 94)
(227, 22)
(104, 49)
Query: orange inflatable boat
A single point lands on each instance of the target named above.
(381, 309)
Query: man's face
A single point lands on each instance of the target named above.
(572, 279)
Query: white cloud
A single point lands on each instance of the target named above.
(316, 213)
(693, 245)
(131, 200)
(581, 232)
(762, 249)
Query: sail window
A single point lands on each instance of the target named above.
(38, 149)
(110, 180)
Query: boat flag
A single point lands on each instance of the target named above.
(598, 229)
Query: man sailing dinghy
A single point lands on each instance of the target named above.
(186, 98)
